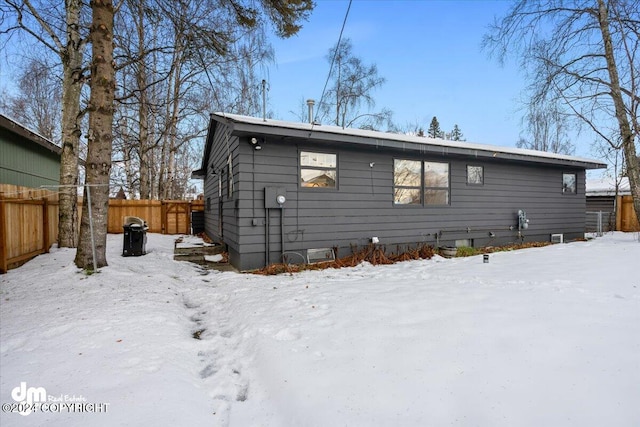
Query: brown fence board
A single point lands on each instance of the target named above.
(29, 220)
(626, 218)
(28, 223)
(149, 210)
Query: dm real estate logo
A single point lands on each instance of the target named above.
(30, 396)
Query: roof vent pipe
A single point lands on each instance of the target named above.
(310, 103)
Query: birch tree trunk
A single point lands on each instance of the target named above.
(63, 37)
(98, 164)
(71, 131)
(626, 133)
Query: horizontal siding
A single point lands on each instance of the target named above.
(362, 205)
(222, 146)
(25, 163)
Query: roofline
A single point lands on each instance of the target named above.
(244, 125)
(23, 131)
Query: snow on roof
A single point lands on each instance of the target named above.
(471, 146)
(606, 186)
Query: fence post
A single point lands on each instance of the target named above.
(163, 216)
(600, 234)
(189, 218)
(3, 237)
(45, 224)
(618, 213)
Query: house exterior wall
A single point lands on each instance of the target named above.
(362, 205)
(219, 208)
(25, 163)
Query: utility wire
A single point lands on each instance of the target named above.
(335, 53)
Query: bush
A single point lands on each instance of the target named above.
(467, 251)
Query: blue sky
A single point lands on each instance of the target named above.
(428, 51)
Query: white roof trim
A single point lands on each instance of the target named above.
(403, 138)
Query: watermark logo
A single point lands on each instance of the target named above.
(35, 399)
(29, 396)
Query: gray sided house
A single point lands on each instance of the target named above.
(26, 158)
(279, 190)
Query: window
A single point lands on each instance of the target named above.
(569, 183)
(407, 182)
(318, 170)
(412, 179)
(475, 175)
(208, 204)
(436, 183)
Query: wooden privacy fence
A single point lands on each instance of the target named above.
(626, 219)
(162, 216)
(29, 220)
(28, 223)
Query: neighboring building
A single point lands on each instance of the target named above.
(26, 158)
(614, 207)
(335, 188)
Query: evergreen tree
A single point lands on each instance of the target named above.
(456, 134)
(434, 129)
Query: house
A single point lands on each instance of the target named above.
(614, 207)
(26, 158)
(279, 190)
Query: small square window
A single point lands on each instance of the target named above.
(569, 183)
(475, 175)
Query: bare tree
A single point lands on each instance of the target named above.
(352, 85)
(37, 104)
(583, 53)
(183, 71)
(61, 29)
(414, 128)
(547, 128)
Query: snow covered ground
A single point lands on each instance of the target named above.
(537, 337)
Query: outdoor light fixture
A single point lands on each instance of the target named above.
(256, 144)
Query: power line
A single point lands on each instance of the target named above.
(335, 53)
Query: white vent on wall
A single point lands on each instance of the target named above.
(557, 238)
(320, 255)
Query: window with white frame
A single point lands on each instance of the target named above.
(318, 170)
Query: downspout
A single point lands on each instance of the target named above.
(282, 233)
(266, 238)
